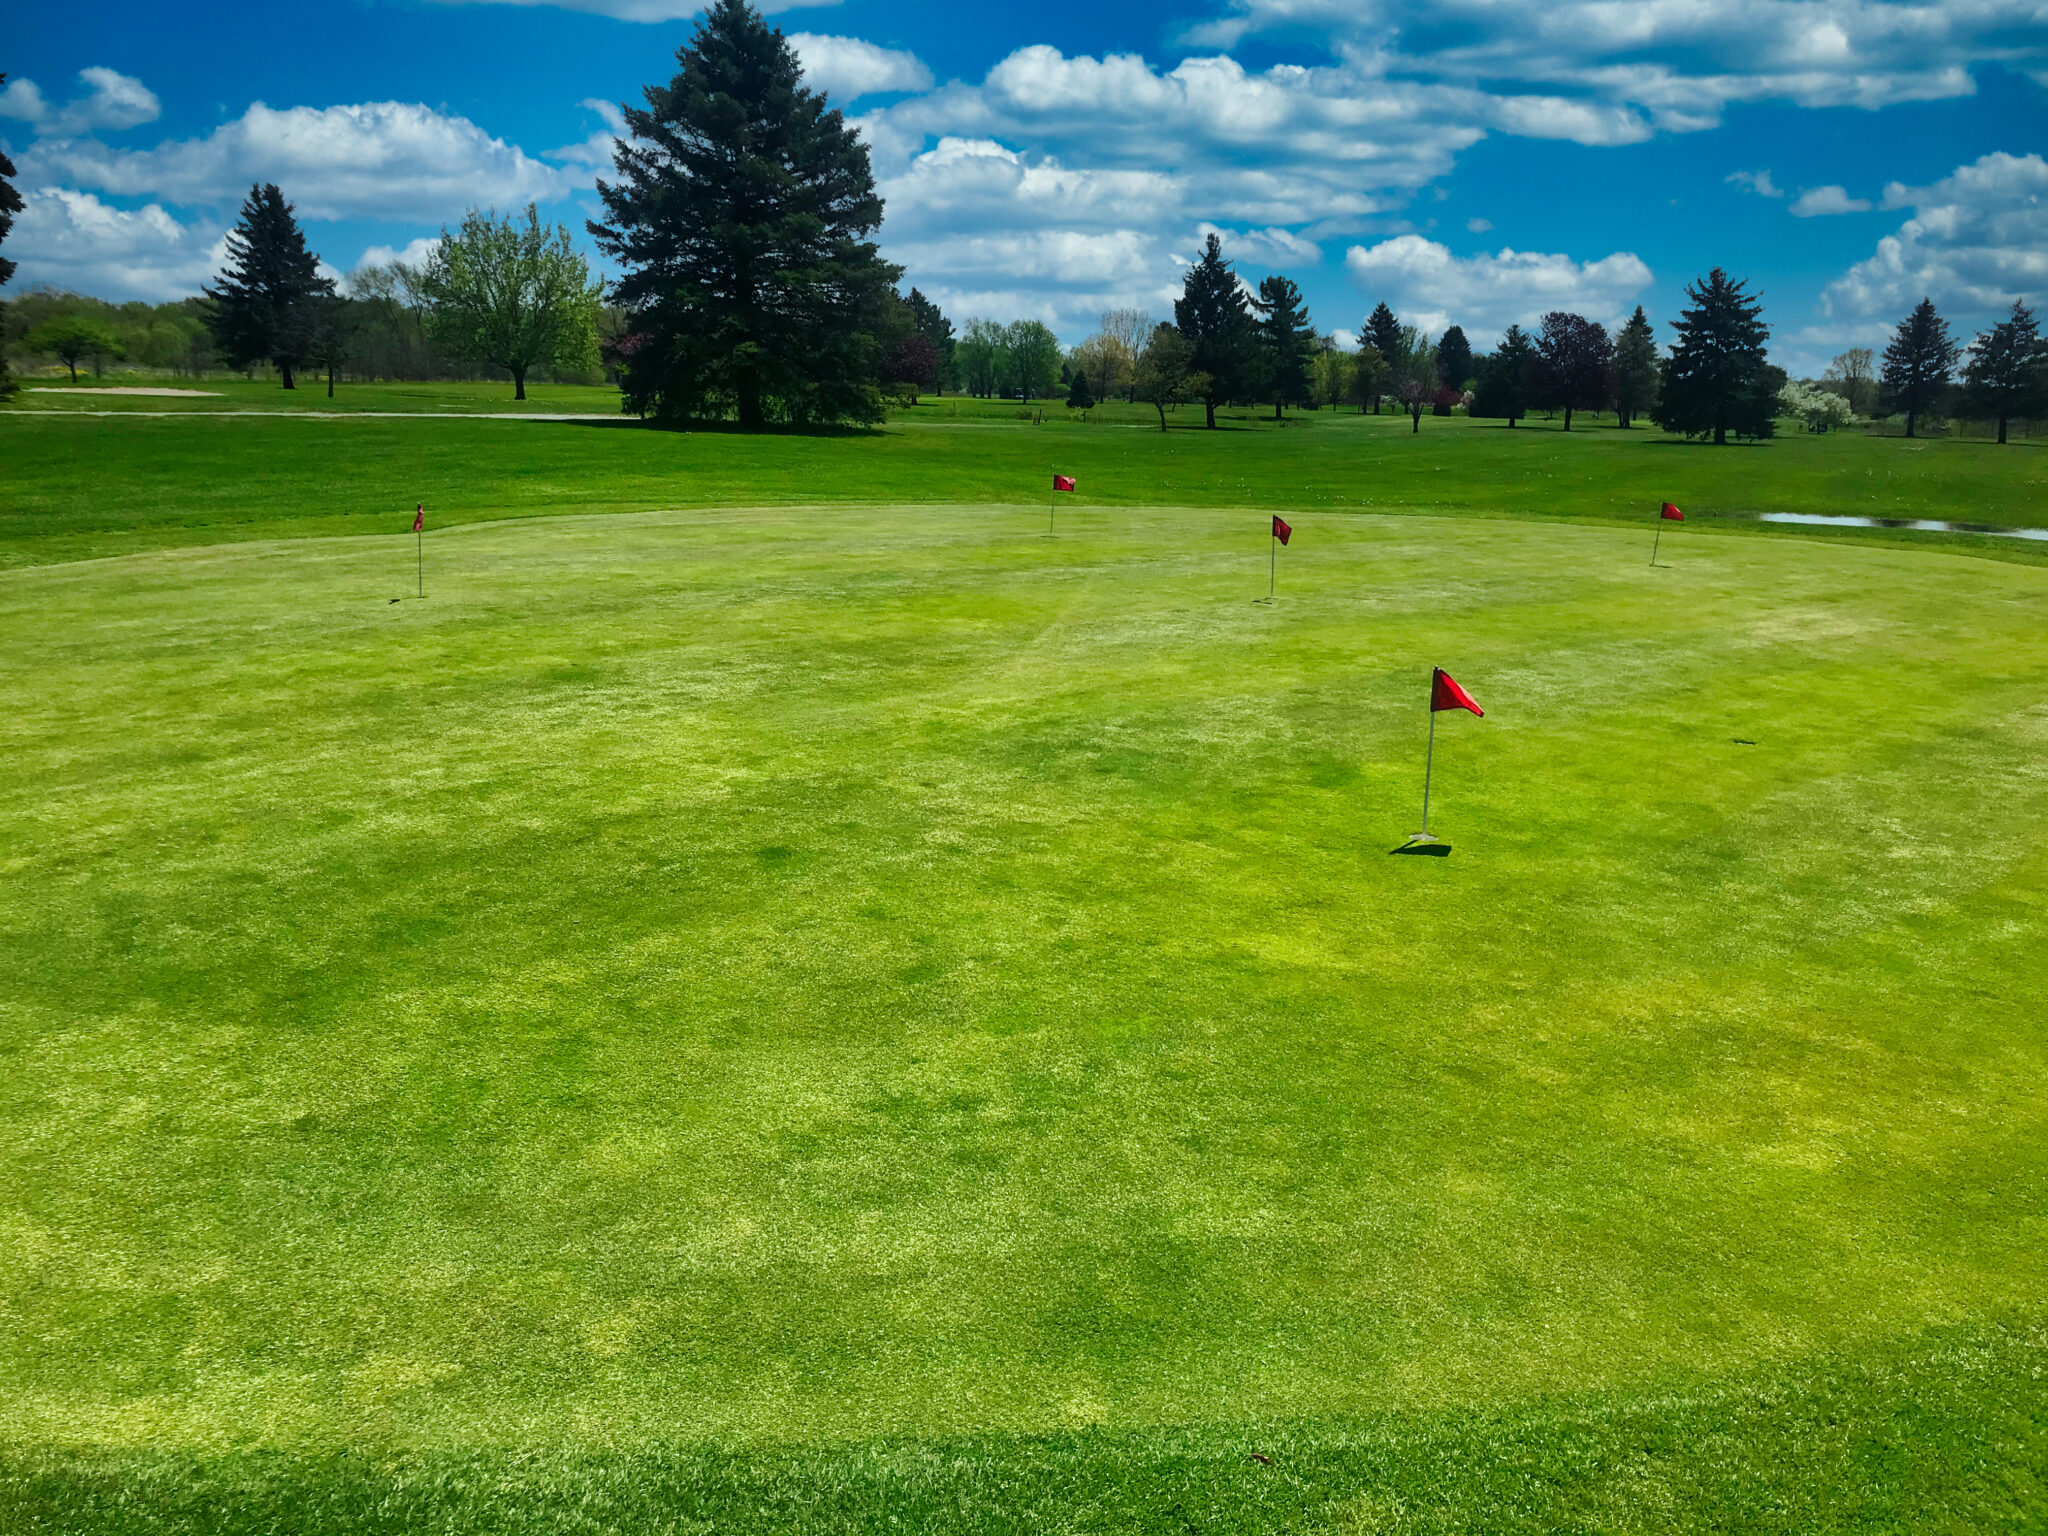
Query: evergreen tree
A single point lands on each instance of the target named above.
(740, 219)
(1079, 396)
(1718, 380)
(1212, 316)
(10, 205)
(1505, 378)
(1383, 331)
(936, 329)
(268, 301)
(512, 294)
(1918, 363)
(1454, 359)
(1287, 342)
(1574, 364)
(1636, 376)
(2007, 374)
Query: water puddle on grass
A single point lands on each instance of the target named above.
(1917, 524)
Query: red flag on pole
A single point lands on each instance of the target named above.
(1063, 482)
(1671, 514)
(419, 517)
(1281, 531)
(1444, 693)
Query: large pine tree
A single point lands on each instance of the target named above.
(740, 218)
(1718, 379)
(1918, 364)
(1636, 375)
(10, 205)
(1287, 342)
(1505, 378)
(2007, 374)
(1454, 359)
(1212, 314)
(270, 300)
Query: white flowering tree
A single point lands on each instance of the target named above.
(1821, 410)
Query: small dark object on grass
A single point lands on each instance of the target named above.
(1742, 741)
(1262, 1458)
(395, 600)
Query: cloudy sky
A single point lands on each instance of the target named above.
(1468, 161)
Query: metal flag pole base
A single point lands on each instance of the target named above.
(1655, 542)
(1428, 765)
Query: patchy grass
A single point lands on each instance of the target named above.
(785, 1019)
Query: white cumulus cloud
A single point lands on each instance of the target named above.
(1426, 285)
(1679, 61)
(378, 160)
(1977, 240)
(110, 101)
(846, 67)
(71, 239)
(1818, 202)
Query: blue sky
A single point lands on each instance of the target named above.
(1468, 161)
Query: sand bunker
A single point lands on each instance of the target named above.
(123, 389)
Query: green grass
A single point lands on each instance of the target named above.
(864, 1018)
(81, 486)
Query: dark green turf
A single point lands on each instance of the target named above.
(1946, 1434)
(83, 486)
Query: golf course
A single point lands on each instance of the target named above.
(782, 983)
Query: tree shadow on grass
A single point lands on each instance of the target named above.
(1701, 442)
(719, 428)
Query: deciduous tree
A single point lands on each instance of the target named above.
(513, 294)
(1131, 329)
(10, 205)
(1853, 375)
(1162, 377)
(1034, 359)
(1574, 364)
(1718, 379)
(1918, 363)
(1637, 377)
(268, 299)
(1415, 377)
(740, 219)
(1212, 315)
(73, 339)
(2007, 374)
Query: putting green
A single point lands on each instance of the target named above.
(795, 975)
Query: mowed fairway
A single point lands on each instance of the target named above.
(800, 1008)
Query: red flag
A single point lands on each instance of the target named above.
(1281, 532)
(1671, 514)
(1063, 482)
(1444, 693)
(419, 517)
